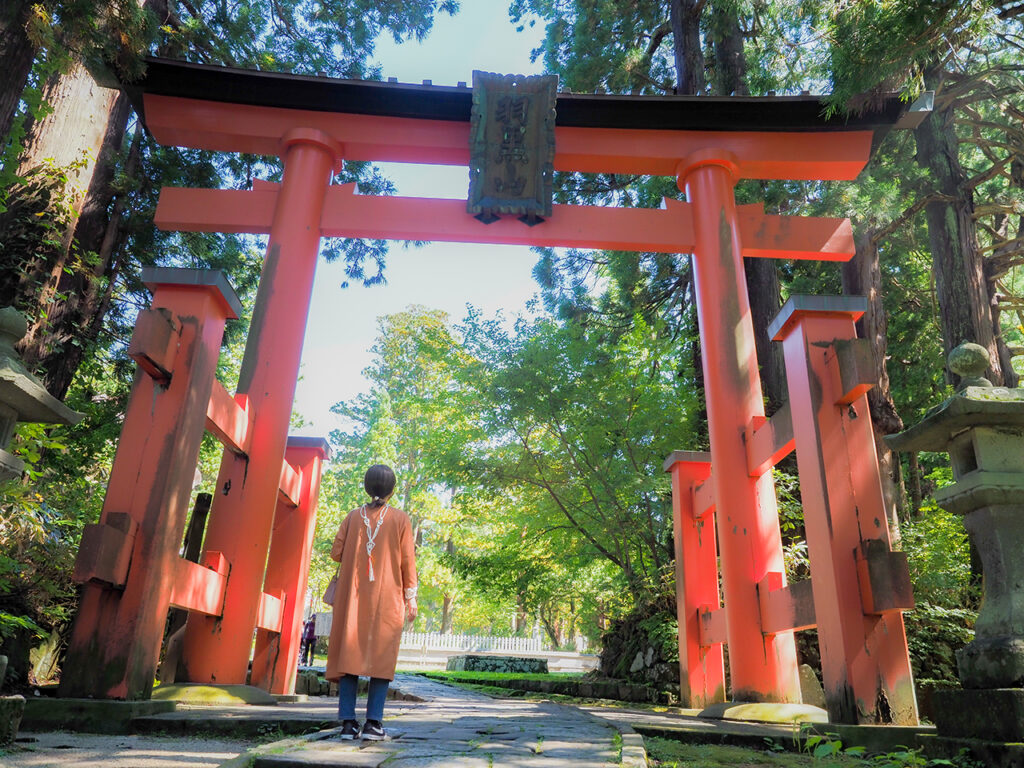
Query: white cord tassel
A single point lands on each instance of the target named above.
(371, 537)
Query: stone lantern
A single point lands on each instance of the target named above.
(22, 397)
(982, 429)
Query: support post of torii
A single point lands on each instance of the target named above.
(762, 667)
(128, 562)
(701, 656)
(216, 648)
(860, 585)
(276, 654)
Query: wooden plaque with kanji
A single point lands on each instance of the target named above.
(512, 146)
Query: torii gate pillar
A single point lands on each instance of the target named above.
(276, 654)
(762, 667)
(216, 649)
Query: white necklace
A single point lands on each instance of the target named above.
(371, 537)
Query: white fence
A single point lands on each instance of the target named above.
(435, 641)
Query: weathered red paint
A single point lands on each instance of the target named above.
(762, 667)
(270, 612)
(276, 655)
(216, 650)
(200, 587)
(701, 667)
(713, 626)
(229, 419)
(769, 441)
(290, 486)
(105, 551)
(667, 230)
(228, 127)
(117, 633)
(865, 666)
(785, 607)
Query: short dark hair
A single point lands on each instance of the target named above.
(379, 481)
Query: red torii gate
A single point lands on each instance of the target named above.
(706, 144)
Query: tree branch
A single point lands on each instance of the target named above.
(883, 232)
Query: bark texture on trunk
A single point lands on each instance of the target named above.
(765, 301)
(862, 276)
(447, 614)
(730, 63)
(75, 322)
(16, 55)
(684, 18)
(966, 300)
(84, 134)
(65, 282)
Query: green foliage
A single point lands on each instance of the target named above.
(528, 527)
(934, 633)
(824, 746)
(938, 553)
(11, 624)
(593, 44)
(576, 416)
(333, 38)
(887, 44)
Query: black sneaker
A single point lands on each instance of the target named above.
(374, 731)
(349, 730)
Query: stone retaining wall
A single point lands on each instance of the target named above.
(503, 664)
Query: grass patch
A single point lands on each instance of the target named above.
(664, 753)
(490, 684)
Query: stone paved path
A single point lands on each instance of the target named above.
(454, 728)
(62, 749)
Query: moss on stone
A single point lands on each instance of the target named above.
(213, 695)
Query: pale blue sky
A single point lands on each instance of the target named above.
(343, 322)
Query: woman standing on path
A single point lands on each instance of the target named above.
(375, 595)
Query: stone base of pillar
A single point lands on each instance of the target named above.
(989, 714)
(11, 709)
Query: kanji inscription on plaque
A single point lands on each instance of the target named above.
(512, 146)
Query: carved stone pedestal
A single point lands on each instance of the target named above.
(982, 429)
(22, 397)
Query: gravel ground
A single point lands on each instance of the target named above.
(86, 750)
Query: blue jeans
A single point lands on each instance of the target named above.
(375, 697)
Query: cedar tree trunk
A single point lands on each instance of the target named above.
(862, 276)
(964, 294)
(16, 55)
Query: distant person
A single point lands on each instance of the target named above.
(308, 642)
(375, 596)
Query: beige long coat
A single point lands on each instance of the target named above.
(369, 615)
